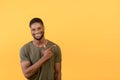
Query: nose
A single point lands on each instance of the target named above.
(37, 31)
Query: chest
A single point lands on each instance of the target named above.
(36, 53)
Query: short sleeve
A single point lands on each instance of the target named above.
(58, 57)
(24, 56)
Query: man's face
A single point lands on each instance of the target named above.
(37, 31)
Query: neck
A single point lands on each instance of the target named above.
(40, 43)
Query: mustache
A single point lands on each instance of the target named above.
(42, 32)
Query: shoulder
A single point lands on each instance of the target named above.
(55, 49)
(53, 43)
(26, 46)
(24, 52)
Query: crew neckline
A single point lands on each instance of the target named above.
(39, 47)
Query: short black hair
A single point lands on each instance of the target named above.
(34, 20)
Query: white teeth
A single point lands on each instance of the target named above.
(38, 34)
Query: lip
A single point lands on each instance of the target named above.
(38, 34)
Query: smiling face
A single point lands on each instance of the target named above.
(37, 30)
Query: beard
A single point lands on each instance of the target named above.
(39, 38)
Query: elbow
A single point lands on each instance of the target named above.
(27, 76)
(58, 72)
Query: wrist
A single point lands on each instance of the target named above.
(44, 58)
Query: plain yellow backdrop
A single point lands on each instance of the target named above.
(88, 32)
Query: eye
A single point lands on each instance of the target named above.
(39, 28)
(33, 29)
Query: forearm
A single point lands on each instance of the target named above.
(31, 70)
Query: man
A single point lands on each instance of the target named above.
(40, 58)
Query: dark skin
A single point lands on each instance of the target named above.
(37, 31)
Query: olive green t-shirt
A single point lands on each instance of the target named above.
(30, 52)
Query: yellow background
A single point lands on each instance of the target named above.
(88, 32)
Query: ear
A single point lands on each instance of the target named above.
(43, 27)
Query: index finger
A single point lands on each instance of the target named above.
(51, 47)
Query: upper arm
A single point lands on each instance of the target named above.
(24, 57)
(58, 59)
(24, 54)
(25, 60)
(57, 67)
(24, 66)
(58, 56)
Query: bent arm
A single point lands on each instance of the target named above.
(29, 70)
